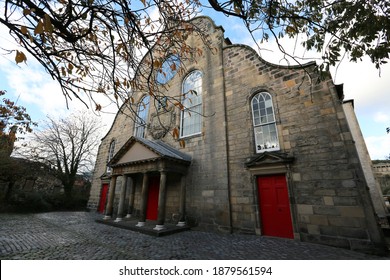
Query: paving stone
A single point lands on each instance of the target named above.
(76, 236)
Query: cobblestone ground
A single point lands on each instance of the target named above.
(76, 236)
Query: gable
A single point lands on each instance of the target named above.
(137, 152)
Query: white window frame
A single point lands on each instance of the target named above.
(263, 118)
(192, 103)
(141, 117)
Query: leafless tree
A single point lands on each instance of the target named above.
(68, 145)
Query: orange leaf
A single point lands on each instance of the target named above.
(39, 28)
(20, 57)
(24, 30)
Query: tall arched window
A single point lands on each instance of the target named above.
(191, 116)
(142, 115)
(111, 150)
(266, 136)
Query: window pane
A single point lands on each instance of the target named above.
(191, 122)
(142, 115)
(266, 137)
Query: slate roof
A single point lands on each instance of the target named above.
(163, 149)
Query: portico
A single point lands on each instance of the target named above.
(150, 164)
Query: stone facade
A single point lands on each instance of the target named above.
(315, 155)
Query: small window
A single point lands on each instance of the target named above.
(266, 136)
(142, 116)
(191, 116)
(110, 154)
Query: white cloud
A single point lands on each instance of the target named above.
(381, 117)
(378, 146)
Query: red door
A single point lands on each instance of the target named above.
(103, 198)
(274, 206)
(152, 205)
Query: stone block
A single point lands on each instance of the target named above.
(325, 192)
(328, 200)
(348, 183)
(326, 210)
(304, 219)
(303, 209)
(296, 177)
(319, 220)
(208, 193)
(345, 221)
(345, 201)
(352, 211)
(358, 233)
(313, 229)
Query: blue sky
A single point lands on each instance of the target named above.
(35, 90)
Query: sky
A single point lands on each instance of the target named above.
(34, 89)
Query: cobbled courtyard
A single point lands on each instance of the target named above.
(77, 236)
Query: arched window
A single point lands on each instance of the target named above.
(191, 116)
(111, 150)
(142, 115)
(266, 136)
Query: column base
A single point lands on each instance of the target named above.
(118, 220)
(106, 217)
(159, 227)
(140, 224)
(128, 216)
(181, 224)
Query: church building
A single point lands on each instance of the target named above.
(251, 147)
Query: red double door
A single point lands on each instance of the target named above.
(103, 198)
(274, 206)
(152, 202)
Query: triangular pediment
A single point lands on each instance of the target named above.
(137, 152)
(268, 158)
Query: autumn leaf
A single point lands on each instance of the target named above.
(39, 28)
(175, 133)
(182, 143)
(24, 30)
(26, 12)
(20, 57)
(48, 25)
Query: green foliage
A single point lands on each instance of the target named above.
(358, 28)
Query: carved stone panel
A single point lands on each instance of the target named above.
(161, 122)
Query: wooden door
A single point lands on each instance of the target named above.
(103, 198)
(152, 205)
(274, 206)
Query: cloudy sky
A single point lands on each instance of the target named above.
(35, 90)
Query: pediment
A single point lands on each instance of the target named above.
(268, 158)
(137, 150)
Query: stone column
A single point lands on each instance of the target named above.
(121, 205)
(131, 197)
(182, 222)
(111, 196)
(144, 200)
(161, 201)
